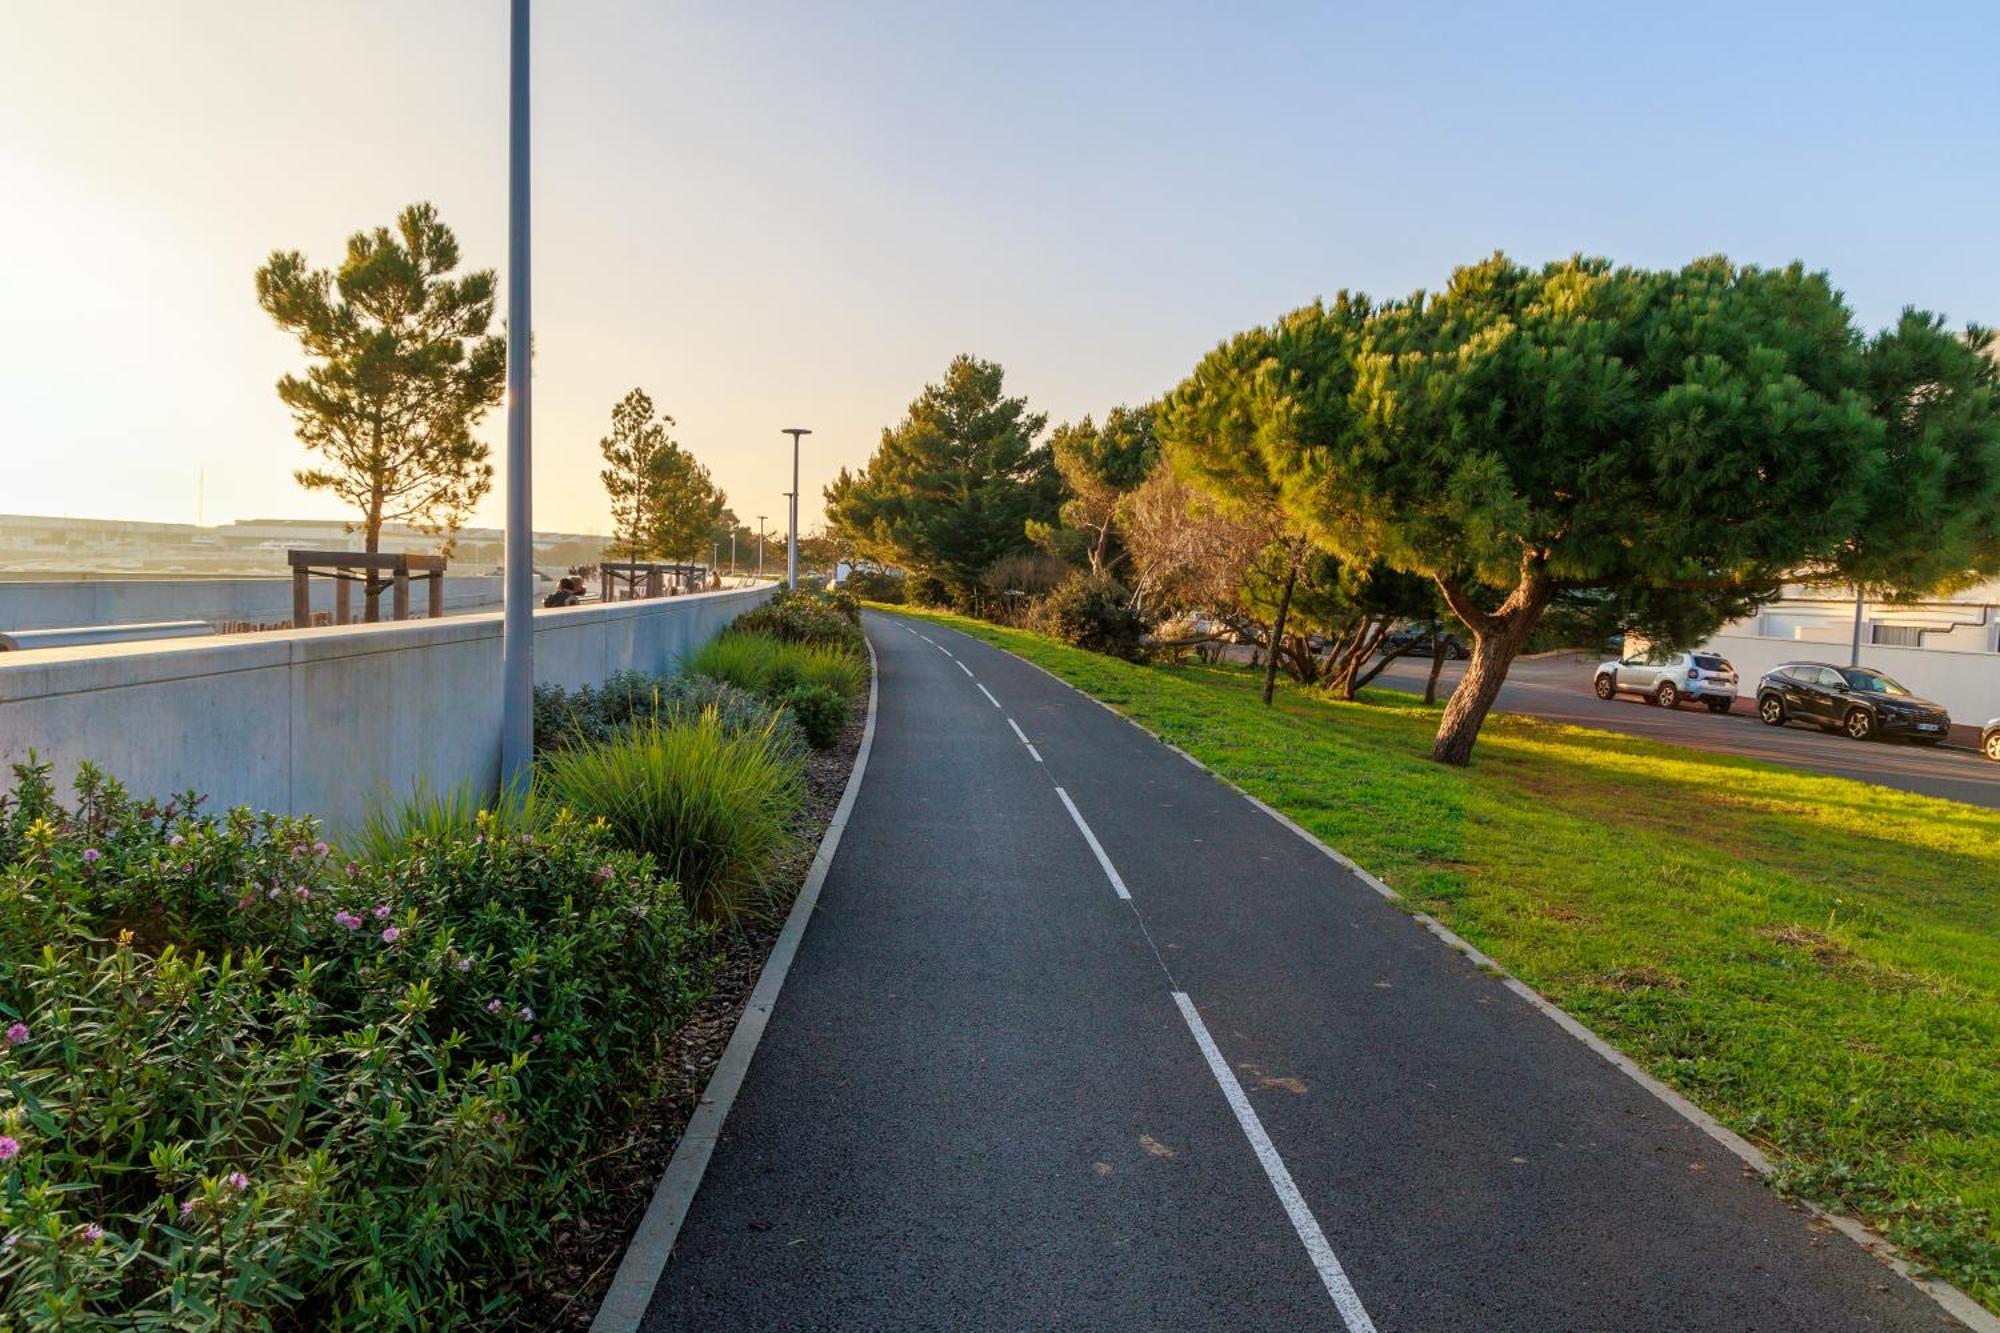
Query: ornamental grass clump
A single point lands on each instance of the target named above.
(777, 670)
(713, 809)
(247, 1081)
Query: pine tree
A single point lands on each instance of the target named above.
(402, 368)
(636, 452)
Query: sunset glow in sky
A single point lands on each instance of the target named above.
(795, 214)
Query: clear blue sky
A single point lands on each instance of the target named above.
(782, 214)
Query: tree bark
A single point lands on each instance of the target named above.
(1437, 667)
(371, 542)
(1278, 629)
(1497, 638)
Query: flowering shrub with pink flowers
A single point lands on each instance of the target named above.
(247, 1082)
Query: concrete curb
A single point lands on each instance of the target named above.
(1949, 1298)
(631, 1293)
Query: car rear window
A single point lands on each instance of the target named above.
(1709, 663)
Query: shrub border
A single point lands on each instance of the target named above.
(1949, 1298)
(632, 1286)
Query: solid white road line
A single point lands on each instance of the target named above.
(963, 667)
(989, 696)
(1019, 734)
(1110, 870)
(1331, 1273)
(1036, 753)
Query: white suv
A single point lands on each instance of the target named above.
(1665, 678)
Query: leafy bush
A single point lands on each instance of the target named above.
(590, 715)
(820, 709)
(1096, 614)
(713, 809)
(772, 668)
(245, 1081)
(876, 585)
(927, 590)
(810, 618)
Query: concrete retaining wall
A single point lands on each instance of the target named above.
(65, 603)
(330, 722)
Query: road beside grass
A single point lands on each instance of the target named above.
(1813, 960)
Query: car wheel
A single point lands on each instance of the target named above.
(1718, 705)
(1669, 696)
(1860, 725)
(1993, 747)
(1604, 687)
(1772, 710)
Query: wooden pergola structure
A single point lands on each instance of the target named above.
(391, 569)
(649, 575)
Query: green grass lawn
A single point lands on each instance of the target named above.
(1815, 961)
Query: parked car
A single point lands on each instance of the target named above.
(1422, 641)
(1989, 740)
(1860, 701)
(1665, 678)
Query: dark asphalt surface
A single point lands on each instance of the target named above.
(1558, 688)
(978, 1107)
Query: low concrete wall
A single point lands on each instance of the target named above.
(64, 603)
(330, 722)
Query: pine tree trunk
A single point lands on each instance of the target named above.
(1495, 644)
(1278, 629)
(371, 542)
(1437, 668)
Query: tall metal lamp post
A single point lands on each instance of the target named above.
(760, 546)
(792, 547)
(517, 639)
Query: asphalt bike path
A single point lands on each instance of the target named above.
(1081, 1038)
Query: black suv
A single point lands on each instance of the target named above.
(1860, 701)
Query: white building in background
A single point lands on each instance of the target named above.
(1946, 650)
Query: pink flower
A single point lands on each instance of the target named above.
(176, 840)
(493, 1006)
(90, 855)
(187, 1207)
(10, 1148)
(390, 935)
(465, 964)
(93, 1232)
(381, 911)
(321, 849)
(246, 900)
(526, 1015)
(12, 1240)
(602, 874)
(352, 870)
(303, 892)
(237, 1181)
(536, 1039)
(16, 1033)
(347, 919)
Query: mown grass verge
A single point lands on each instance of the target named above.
(1813, 960)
